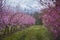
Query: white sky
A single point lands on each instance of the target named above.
(25, 5)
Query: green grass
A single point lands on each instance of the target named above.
(35, 32)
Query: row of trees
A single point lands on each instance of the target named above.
(51, 19)
(9, 19)
(18, 19)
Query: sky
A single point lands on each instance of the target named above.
(28, 6)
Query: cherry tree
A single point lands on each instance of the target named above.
(51, 19)
(22, 19)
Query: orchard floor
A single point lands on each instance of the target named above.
(37, 28)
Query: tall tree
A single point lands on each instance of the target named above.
(51, 19)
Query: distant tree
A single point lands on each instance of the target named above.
(36, 16)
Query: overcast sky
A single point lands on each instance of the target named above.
(25, 5)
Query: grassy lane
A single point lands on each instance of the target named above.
(36, 32)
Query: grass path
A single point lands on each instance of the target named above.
(37, 30)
